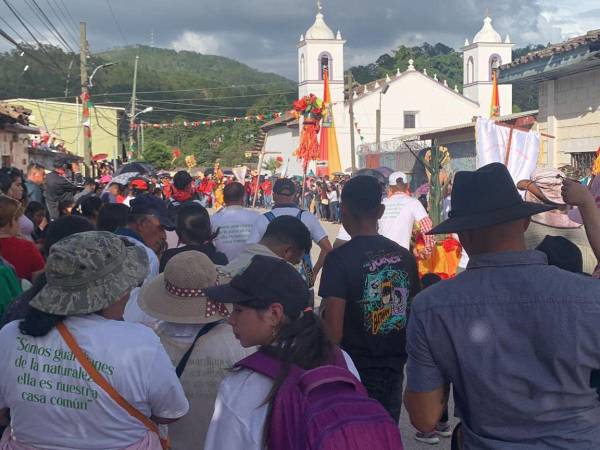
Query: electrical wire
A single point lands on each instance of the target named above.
(26, 51)
(100, 126)
(75, 24)
(64, 24)
(114, 17)
(16, 14)
(192, 90)
(23, 40)
(48, 24)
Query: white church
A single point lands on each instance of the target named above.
(411, 102)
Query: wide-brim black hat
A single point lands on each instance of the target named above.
(486, 197)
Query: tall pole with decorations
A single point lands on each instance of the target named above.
(310, 108)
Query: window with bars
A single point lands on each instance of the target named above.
(410, 119)
(582, 162)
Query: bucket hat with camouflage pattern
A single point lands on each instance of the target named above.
(87, 272)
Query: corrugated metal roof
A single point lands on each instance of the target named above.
(554, 49)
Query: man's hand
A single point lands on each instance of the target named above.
(576, 194)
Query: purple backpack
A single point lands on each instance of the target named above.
(325, 408)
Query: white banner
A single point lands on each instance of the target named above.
(240, 173)
(492, 145)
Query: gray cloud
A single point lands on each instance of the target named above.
(264, 33)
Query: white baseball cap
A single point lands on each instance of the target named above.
(395, 176)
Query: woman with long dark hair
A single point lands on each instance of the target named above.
(270, 311)
(195, 233)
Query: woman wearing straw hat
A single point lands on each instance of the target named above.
(194, 333)
(74, 375)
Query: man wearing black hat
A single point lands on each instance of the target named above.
(58, 187)
(516, 337)
(286, 204)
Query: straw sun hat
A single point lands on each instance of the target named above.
(177, 294)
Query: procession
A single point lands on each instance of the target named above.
(226, 237)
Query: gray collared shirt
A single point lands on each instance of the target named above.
(518, 339)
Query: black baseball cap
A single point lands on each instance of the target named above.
(147, 204)
(284, 186)
(266, 280)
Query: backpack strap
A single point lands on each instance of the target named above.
(105, 385)
(320, 376)
(184, 360)
(262, 363)
(299, 215)
(270, 216)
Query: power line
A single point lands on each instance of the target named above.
(194, 90)
(201, 99)
(23, 40)
(112, 13)
(43, 18)
(75, 24)
(16, 14)
(26, 51)
(59, 15)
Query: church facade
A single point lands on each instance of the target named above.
(409, 102)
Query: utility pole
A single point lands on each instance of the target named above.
(351, 107)
(132, 114)
(85, 96)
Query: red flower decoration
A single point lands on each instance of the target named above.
(450, 245)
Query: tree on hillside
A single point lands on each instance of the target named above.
(158, 154)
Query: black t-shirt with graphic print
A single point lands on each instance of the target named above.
(377, 278)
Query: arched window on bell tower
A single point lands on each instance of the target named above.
(495, 62)
(302, 74)
(324, 64)
(470, 70)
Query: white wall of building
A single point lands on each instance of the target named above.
(434, 104)
(283, 141)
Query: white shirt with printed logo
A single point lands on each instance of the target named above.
(235, 223)
(54, 405)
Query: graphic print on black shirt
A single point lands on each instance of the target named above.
(376, 277)
(385, 295)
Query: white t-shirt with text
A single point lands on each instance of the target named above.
(398, 220)
(235, 224)
(55, 406)
(401, 213)
(239, 416)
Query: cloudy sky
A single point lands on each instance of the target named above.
(263, 33)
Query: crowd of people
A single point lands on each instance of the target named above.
(134, 319)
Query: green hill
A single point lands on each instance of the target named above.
(441, 60)
(178, 85)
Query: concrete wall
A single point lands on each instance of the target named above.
(64, 121)
(569, 110)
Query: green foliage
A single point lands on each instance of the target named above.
(201, 88)
(270, 164)
(158, 154)
(447, 64)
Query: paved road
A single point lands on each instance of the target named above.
(406, 428)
